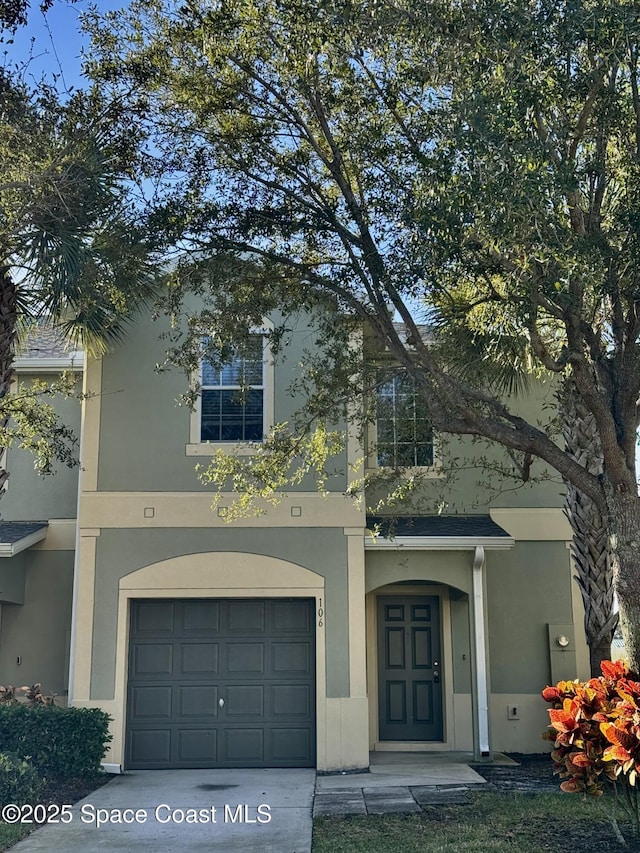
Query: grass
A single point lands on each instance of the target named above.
(541, 823)
(11, 833)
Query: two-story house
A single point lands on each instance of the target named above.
(293, 638)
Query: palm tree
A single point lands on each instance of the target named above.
(592, 554)
(500, 357)
(70, 248)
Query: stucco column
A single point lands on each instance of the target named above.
(82, 617)
(480, 692)
(85, 546)
(357, 629)
(354, 710)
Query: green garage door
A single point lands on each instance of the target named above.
(221, 683)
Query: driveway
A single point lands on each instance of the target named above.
(227, 810)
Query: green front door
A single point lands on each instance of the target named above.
(409, 668)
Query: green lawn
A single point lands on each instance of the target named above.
(10, 833)
(516, 823)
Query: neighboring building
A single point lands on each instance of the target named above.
(293, 638)
(37, 541)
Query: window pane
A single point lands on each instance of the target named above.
(210, 416)
(232, 415)
(253, 361)
(424, 454)
(231, 374)
(210, 374)
(245, 369)
(237, 412)
(253, 416)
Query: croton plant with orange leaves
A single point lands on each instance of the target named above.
(595, 726)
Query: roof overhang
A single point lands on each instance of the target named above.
(436, 533)
(439, 543)
(74, 361)
(17, 536)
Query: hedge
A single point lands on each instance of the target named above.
(19, 780)
(61, 743)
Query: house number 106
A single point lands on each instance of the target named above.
(320, 614)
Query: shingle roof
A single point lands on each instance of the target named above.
(16, 536)
(427, 332)
(13, 531)
(437, 525)
(42, 340)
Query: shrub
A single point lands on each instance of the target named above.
(31, 695)
(19, 781)
(60, 743)
(596, 732)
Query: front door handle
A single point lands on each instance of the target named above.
(221, 703)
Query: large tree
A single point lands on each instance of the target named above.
(388, 154)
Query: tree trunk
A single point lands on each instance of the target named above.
(591, 547)
(8, 327)
(624, 520)
(599, 651)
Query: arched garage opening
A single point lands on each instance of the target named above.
(219, 663)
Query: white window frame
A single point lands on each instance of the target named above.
(197, 447)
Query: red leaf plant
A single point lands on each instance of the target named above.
(595, 726)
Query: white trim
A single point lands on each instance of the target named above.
(111, 768)
(10, 549)
(196, 447)
(72, 361)
(481, 691)
(439, 543)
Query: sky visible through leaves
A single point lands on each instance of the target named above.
(51, 43)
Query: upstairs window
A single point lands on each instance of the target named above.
(232, 406)
(404, 433)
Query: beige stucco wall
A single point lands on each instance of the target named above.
(140, 411)
(341, 708)
(118, 553)
(528, 589)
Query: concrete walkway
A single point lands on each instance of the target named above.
(399, 782)
(235, 811)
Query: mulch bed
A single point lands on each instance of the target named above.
(532, 775)
(70, 791)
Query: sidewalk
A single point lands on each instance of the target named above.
(400, 782)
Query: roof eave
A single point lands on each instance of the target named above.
(439, 543)
(10, 549)
(74, 361)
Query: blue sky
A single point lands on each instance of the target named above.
(51, 43)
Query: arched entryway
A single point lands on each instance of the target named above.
(413, 627)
